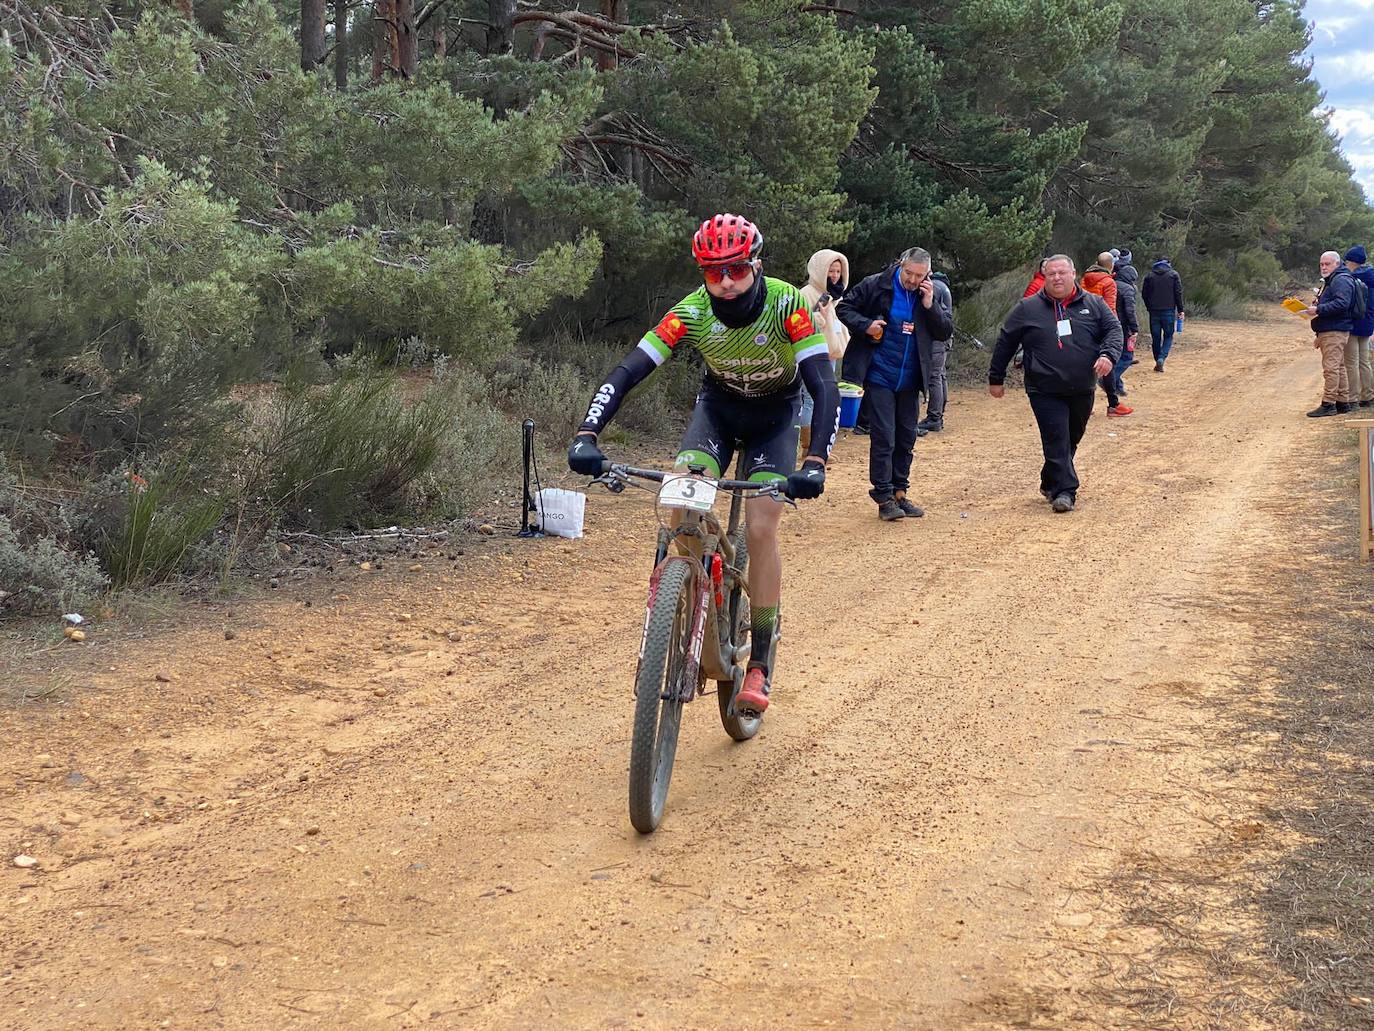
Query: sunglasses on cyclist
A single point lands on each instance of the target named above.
(713, 274)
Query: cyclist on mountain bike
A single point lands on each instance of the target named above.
(756, 338)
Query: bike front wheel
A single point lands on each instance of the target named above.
(659, 691)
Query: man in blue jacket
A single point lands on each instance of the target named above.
(1332, 318)
(891, 316)
(1358, 367)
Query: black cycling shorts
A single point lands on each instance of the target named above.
(764, 428)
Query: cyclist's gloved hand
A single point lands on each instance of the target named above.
(807, 482)
(585, 457)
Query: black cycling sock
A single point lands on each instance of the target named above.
(762, 621)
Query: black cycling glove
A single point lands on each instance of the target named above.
(585, 457)
(806, 482)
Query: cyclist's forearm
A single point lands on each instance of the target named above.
(623, 378)
(819, 378)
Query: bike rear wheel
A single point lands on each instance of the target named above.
(658, 693)
(738, 727)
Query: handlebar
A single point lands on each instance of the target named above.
(616, 471)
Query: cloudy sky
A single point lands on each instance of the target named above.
(1343, 49)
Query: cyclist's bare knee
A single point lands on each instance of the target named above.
(762, 517)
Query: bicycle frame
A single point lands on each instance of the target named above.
(708, 550)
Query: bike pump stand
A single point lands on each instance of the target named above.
(527, 499)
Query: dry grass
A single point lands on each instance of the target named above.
(1271, 922)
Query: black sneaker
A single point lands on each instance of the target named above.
(1345, 407)
(860, 431)
(889, 510)
(1062, 503)
(1325, 408)
(931, 425)
(908, 509)
(1159, 366)
(1367, 404)
(1048, 495)
(921, 431)
(1121, 392)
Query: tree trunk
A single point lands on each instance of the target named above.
(616, 11)
(500, 30)
(341, 44)
(394, 53)
(312, 34)
(407, 42)
(440, 40)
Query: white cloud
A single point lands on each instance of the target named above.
(1339, 69)
(1355, 124)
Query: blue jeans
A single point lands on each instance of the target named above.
(1162, 332)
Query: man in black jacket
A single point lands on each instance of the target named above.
(1070, 339)
(1162, 292)
(892, 316)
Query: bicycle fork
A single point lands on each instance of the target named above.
(686, 688)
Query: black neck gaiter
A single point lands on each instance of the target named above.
(744, 309)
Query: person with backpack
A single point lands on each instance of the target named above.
(1333, 317)
(1358, 367)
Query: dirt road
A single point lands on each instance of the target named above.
(406, 802)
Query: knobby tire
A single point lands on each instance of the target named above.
(667, 645)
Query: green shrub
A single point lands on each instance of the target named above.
(350, 453)
(480, 452)
(44, 564)
(163, 521)
(39, 575)
(980, 315)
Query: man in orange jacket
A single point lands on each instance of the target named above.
(1098, 279)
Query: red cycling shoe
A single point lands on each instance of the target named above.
(1120, 410)
(753, 696)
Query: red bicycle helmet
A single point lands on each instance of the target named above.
(722, 239)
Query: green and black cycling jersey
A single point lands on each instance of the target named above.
(765, 361)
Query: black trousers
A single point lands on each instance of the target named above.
(892, 418)
(1062, 418)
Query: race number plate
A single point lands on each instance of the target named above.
(693, 492)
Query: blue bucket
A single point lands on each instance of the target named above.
(850, 399)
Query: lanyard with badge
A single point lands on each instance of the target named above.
(909, 326)
(1062, 328)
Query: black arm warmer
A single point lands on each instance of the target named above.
(631, 372)
(819, 378)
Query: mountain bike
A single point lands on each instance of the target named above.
(696, 622)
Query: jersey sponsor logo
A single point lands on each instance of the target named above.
(716, 327)
(741, 362)
(599, 403)
(799, 325)
(747, 381)
(671, 330)
(761, 339)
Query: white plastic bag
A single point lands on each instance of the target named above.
(560, 512)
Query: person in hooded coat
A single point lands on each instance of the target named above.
(827, 282)
(1162, 292)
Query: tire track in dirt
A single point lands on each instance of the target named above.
(941, 763)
